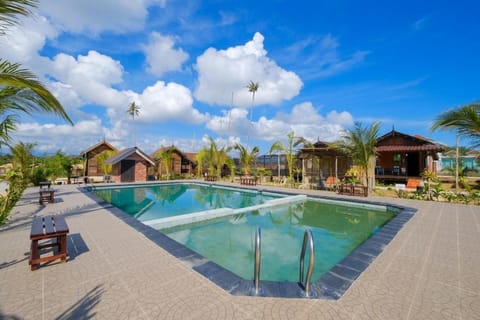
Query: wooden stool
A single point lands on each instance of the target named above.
(48, 227)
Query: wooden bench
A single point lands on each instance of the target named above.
(45, 184)
(53, 228)
(210, 178)
(353, 190)
(249, 181)
(46, 195)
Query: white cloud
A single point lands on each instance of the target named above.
(223, 72)
(22, 42)
(93, 16)
(304, 119)
(232, 123)
(161, 55)
(168, 101)
(91, 77)
(51, 137)
(343, 118)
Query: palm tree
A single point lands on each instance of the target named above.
(102, 157)
(23, 160)
(252, 87)
(9, 11)
(360, 144)
(20, 90)
(216, 158)
(289, 150)
(133, 110)
(201, 158)
(164, 156)
(465, 120)
(247, 159)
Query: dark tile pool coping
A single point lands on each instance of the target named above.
(332, 285)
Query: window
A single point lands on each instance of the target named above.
(397, 159)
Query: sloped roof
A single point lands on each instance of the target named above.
(96, 146)
(322, 148)
(406, 148)
(188, 155)
(408, 143)
(125, 153)
(191, 156)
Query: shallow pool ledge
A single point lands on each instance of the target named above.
(170, 222)
(175, 221)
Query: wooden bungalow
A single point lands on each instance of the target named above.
(323, 165)
(181, 164)
(92, 167)
(130, 165)
(401, 156)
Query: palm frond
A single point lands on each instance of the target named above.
(465, 120)
(26, 92)
(11, 9)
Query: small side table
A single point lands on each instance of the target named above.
(43, 228)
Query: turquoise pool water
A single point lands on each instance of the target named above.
(151, 202)
(337, 231)
(338, 227)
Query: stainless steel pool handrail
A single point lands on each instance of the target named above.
(258, 237)
(307, 239)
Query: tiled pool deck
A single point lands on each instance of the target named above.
(430, 270)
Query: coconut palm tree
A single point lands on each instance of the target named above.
(23, 159)
(102, 157)
(289, 150)
(10, 10)
(20, 90)
(134, 110)
(165, 156)
(359, 143)
(252, 87)
(201, 158)
(247, 159)
(216, 158)
(465, 120)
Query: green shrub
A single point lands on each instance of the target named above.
(15, 190)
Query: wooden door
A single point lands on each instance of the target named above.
(127, 170)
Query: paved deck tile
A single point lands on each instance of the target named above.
(430, 270)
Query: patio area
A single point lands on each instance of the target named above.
(430, 270)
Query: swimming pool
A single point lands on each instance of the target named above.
(348, 238)
(337, 230)
(157, 201)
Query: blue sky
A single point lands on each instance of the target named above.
(320, 66)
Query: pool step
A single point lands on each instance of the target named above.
(175, 221)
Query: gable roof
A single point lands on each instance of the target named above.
(189, 156)
(125, 153)
(407, 143)
(95, 146)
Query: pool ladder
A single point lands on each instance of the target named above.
(307, 239)
(258, 236)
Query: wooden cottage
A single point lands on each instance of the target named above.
(130, 165)
(181, 163)
(323, 164)
(401, 156)
(92, 167)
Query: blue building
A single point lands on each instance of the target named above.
(470, 160)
